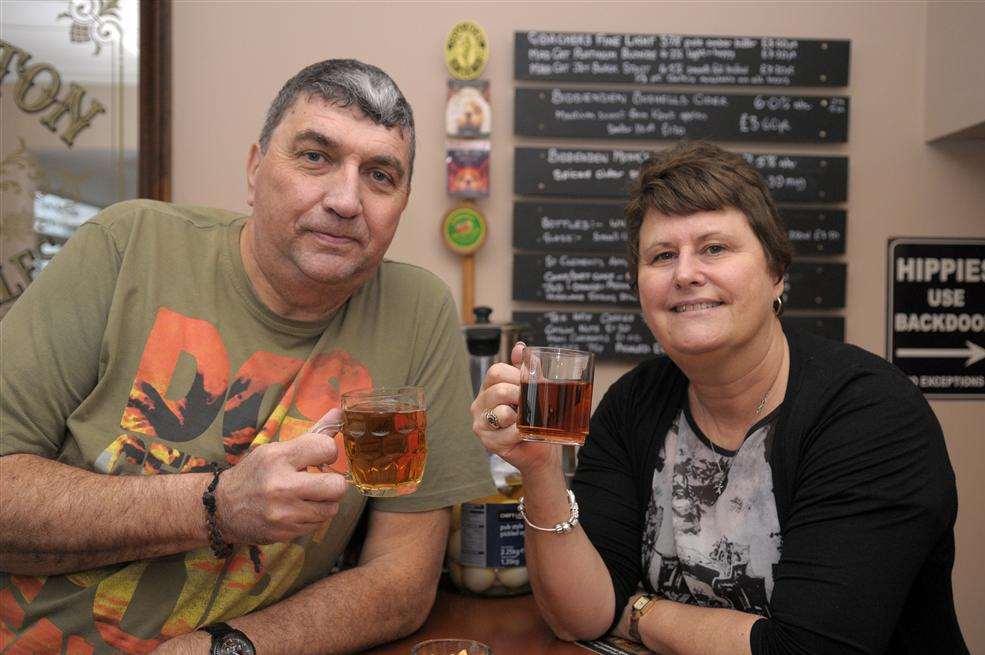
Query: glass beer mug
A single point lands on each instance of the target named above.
(555, 395)
(384, 432)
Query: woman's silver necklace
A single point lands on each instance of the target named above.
(723, 480)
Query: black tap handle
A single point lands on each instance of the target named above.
(482, 313)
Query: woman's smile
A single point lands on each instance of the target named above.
(695, 307)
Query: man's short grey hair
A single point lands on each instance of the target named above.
(345, 82)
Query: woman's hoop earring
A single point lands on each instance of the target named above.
(778, 305)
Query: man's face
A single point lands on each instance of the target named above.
(326, 196)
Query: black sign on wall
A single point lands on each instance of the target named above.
(936, 317)
(603, 279)
(608, 174)
(587, 279)
(564, 227)
(635, 114)
(813, 285)
(610, 335)
(829, 327)
(815, 231)
(601, 227)
(625, 335)
(679, 59)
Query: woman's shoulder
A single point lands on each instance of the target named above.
(825, 361)
(833, 378)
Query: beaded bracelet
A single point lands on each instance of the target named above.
(561, 528)
(219, 547)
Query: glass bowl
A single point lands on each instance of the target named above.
(450, 647)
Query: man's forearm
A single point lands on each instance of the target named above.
(386, 597)
(344, 613)
(59, 519)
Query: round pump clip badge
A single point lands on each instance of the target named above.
(466, 50)
(464, 230)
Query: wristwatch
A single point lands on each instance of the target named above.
(641, 606)
(227, 640)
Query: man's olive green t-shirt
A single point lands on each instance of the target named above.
(142, 349)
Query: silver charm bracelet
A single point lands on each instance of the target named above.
(561, 528)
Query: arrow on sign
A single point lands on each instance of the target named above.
(973, 352)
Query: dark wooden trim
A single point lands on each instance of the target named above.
(155, 100)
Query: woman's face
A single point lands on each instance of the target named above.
(704, 283)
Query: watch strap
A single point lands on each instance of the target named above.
(641, 606)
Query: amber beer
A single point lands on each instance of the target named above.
(555, 395)
(385, 437)
(555, 411)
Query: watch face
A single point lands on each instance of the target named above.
(235, 644)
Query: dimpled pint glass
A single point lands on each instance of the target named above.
(384, 432)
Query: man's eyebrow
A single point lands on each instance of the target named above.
(317, 137)
(330, 143)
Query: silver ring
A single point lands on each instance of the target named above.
(492, 420)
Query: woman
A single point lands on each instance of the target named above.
(754, 491)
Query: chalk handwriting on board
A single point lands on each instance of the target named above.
(641, 114)
(678, 59)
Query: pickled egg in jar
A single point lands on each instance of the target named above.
(485, 554)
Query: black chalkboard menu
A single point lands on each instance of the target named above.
(602, 279)
(610, 335)
(635, 114)
(679, 59)
(829, 327)
(815, 231)
(601, 227)
(625, 335)
(589, 279)
(568, 226)
(594, 173)
(811, 285)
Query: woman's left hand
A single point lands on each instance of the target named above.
(622, 628)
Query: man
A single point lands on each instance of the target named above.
(165, 339)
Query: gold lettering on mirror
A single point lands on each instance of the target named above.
(47, 94)
(19, 176)
(69, 94)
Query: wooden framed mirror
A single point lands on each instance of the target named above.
(85, 99)
(155, 100)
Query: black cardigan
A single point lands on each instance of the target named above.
(864, 491)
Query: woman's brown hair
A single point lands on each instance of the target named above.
(695, 176)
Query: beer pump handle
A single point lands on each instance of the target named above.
(468, 285)
(482, 314)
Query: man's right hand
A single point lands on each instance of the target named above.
(270, 497)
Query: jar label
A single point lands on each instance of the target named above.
(492, 535)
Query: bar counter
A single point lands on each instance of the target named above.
(511, 626)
